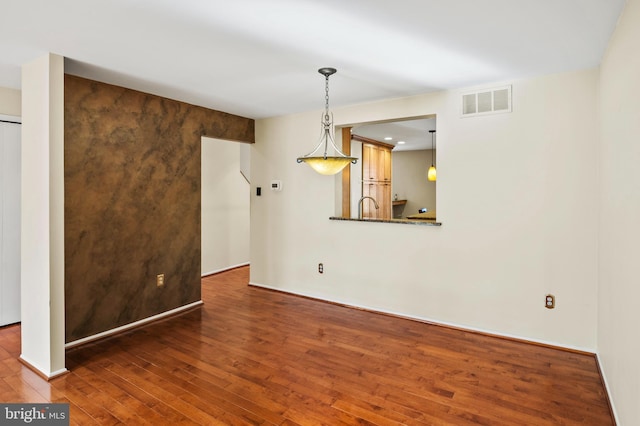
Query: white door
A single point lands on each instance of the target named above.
(9, 221)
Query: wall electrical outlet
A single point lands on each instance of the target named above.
(160, 280)
(320, 268)
(550, 301)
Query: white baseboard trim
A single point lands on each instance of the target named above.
(431, 320)
(132, 325)
(607, 390)
(228, 268)
(40, 371)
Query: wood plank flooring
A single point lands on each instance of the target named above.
(254, 356)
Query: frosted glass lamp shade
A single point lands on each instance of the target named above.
(327, 165)
(431, 174)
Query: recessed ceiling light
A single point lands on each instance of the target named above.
(400, 142)
(388, 138)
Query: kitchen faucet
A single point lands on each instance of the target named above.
(375, 203)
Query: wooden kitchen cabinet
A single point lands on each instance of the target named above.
(384, 164)
(369, 163)
(376, 163)
(376, 181)
(381, 192)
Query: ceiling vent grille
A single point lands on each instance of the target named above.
(486, 101)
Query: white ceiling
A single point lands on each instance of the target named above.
(258, 58)
(404, 135)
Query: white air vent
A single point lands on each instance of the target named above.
(486, 101)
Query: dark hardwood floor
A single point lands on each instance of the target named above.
(254, 356)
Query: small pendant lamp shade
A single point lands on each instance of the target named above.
(431, 174)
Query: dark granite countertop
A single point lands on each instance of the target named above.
(395, 221)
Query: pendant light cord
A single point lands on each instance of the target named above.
(326, 99)
(433, 132)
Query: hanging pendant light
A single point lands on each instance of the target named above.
(324, 163)
(431, 174)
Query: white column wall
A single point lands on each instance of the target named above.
(619, 289)
(42, 249)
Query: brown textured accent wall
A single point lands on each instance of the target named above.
(132, 202)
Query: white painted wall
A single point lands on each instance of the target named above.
(515, 195)
(245, 160)
(42, 228)
(410, 182)
(10, 101)
(619, 272)
(9, 221)
(225, 207)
